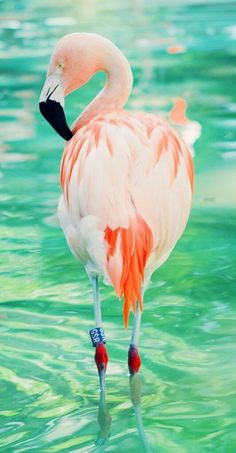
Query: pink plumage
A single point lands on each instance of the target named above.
(127, 178)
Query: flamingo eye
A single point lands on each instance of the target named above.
(59, 65)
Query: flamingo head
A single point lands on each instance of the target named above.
(76, 58)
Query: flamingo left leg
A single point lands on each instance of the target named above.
(98, 337)
(134, 360)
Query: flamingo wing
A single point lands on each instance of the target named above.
(162, 188)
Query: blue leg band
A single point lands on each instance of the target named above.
(97, 336)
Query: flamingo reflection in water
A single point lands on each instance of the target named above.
(105, 420)
(126, 178)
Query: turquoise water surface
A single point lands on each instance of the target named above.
(48, 381)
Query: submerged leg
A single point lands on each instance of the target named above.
(104, 421)
(135, 396)
(98, 337)
(134, 360)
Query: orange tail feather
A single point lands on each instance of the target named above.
(135, 244)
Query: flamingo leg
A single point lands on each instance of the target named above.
(104, 421)
(96, 302)
(134, 360)
(98, 337)
(135, 396)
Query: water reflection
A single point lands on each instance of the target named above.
(105, 419)
(135, 396)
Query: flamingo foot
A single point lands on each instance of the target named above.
(134, 360)
(101, 359)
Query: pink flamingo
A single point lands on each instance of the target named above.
(126, 178)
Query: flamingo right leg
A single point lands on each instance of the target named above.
(98, 337)
(134, 360)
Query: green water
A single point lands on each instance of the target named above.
(48, 383)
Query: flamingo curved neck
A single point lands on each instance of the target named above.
(116, 91)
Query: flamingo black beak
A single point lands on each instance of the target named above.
(51, 105)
